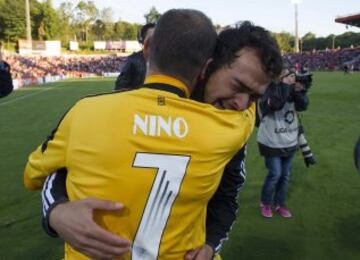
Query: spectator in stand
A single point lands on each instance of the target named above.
(32, 67)
(133, 72)
(326, 59)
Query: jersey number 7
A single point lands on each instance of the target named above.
(165, 188)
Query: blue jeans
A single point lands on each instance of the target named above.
(276, 183)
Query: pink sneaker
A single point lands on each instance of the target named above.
(284, 212)
(266, 211)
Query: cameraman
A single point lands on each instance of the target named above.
(278, 138)
(6, 85)
(133, 72)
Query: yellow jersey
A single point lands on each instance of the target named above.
(160, 154)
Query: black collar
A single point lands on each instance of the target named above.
(166, 87)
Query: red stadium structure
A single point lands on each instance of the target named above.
(353, 20)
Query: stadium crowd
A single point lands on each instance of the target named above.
(326, 59)
(23, 67)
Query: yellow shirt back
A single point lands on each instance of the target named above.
(160, 155)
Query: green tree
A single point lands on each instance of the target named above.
(347, 39)
(125, 31)
(308, 36)
(106, 16)
(46, 22)
(308, 41)
(12, 20)
(285, 41)
(86, 14)
(66, 22)
(152, 16)
(98, 29)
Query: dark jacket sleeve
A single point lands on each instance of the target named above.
(222, 208)
(357, 155)
(53, 194)
(274, 98)
(133, 72)
(125, 76)
(6, 85)
(301, 101)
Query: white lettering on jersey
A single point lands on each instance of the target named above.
(140, 123)
(180, 123)
(153, 125)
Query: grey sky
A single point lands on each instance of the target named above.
(276, 15)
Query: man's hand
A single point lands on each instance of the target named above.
(299, 87)
(203, 253)
(74, 223)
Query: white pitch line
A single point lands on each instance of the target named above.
(26, 96)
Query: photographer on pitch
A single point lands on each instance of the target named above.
(279, 136)
(6, 85)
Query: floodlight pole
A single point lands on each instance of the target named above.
(28, 25)
(296, 27)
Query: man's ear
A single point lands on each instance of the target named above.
(201, 77)
(203, 71)
(146, 49)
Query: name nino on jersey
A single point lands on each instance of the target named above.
(155, 125)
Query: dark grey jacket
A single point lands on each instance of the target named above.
(279, 124)
(133, 72)
(6, 85)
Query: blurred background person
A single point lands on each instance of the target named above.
(133, 72)
(6, 85)
(357, 155)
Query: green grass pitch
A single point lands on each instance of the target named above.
(325, 199)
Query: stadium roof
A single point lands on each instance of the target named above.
(353, 20)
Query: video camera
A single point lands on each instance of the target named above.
(305, 79)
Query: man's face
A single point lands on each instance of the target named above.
(237, 86)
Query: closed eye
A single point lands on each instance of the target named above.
(243, 88)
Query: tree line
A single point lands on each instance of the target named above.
(85, 23)
(310, 42)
